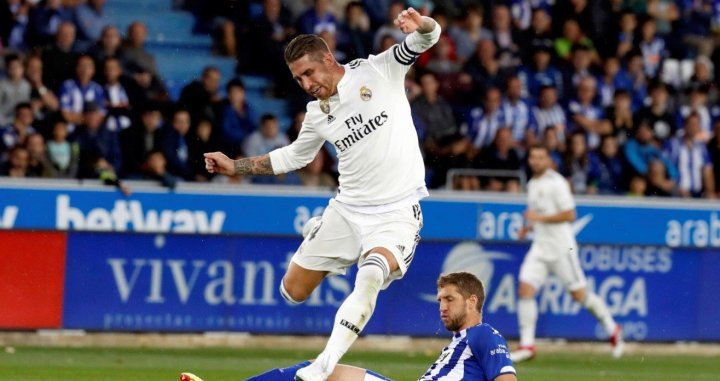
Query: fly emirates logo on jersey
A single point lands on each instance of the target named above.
(360, 128)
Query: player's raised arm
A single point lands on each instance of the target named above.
(218, 162)
(423, 32)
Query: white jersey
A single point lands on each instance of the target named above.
(550, 194)
(369, 123)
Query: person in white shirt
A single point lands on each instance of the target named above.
(550, 212)
(375, 219)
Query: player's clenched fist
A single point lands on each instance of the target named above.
(410, 20)
(218, 162)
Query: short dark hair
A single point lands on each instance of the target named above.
(208, 69)
(305, 44)
(467, 285)
(266, 117)
(22, 105)
(10, 58)
(540, 146)
(235, 82)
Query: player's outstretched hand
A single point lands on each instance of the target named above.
(218, 162)
(409, 20)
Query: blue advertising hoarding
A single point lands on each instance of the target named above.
(459, 218)
(166, 282)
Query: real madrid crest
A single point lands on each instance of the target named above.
(325, 105)
(365, 93)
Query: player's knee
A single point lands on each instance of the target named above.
(526, 290)
(387, 254)
(578, 295)
(292, 295)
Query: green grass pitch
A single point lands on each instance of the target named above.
(100, 364)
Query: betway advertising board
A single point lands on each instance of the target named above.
(607, 222)
(156, 282)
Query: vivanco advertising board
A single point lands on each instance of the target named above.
(157, 282)
(615, 221)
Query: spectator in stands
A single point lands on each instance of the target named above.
(636, 73)
(658, 181)
(314, 176)
(355, 36)
(640, 150)
(580, 59)
(96, 143)
(443, 143)
(519, 110)
(38, 163)
(238, 118)
(613, 79)
(14, 89)
(174, 144)
(59, 58)
(691, 157)
(540, 30)
(577, 167)
(652, 48)
(714, 152)
(141, 65)
(610, 167)
(141, 139)
(698, 103)
(555, 145)
(91, 20)
(389, 28)
(267, 35)
(116, 98)
(18, 25)
(17, 163)
(44, 21)
(500, 156)
(18, 131)
(585, 115)
(42, 99)
(505, 37)
(484, 70)
(703, 76)
(620, 115)
(155, 168)
(442, 61)
(637, 187)
(658, 113)
(469, 32)
(201, 142)
(76, 93)
(626, 36)
(64, 156)
(108, 46)
(540, 72)
(483, 122)
(548, 113)
(317, 19)
(266, 138)
(201, 96)
(572, 36)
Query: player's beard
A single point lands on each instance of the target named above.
(455, 323)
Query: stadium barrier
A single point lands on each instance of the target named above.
(210, 259)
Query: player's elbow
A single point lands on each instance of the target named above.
(571, 215)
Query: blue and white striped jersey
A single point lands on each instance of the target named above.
(477, 353)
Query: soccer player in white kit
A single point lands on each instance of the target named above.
(375, 218)
(550, 212)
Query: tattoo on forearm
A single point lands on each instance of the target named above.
(257, 165)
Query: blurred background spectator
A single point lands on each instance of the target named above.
(624, 93)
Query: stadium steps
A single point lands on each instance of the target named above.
(181, 55)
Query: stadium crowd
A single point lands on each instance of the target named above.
(624, 92)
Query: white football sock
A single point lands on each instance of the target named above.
(599, 309)
(356, 310)
(527, 319)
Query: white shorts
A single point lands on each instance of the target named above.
(341, 236)
(536, 267)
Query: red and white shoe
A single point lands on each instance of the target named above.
(189, 377)
(523, 353)
(617, 341)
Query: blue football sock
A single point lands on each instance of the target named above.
(280, 374)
